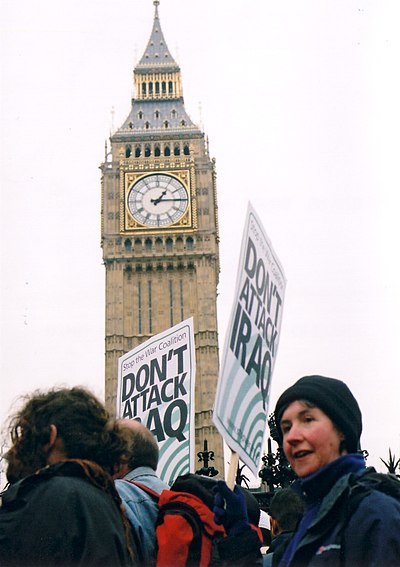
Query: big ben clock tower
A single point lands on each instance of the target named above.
(160, 230)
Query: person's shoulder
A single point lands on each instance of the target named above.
(374, 525)
(143, 476)
(379, 502)
(129, 491)
(376, 508)
(377, 487)
(155, 483)
(70, 484)
(62, 483)
(63, 490)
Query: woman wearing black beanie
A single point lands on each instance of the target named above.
(352, 514)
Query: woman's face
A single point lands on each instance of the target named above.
(310, 439)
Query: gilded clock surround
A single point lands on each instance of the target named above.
(130, 176)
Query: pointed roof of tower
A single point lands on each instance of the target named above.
(157, 106)
(157, 53)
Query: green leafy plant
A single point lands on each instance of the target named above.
(391, 464)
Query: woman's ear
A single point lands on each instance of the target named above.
(342, 446)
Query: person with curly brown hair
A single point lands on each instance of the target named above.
(61, 506)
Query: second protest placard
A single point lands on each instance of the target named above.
(156, 386)
(241, 405)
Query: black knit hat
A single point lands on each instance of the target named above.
(334, 398)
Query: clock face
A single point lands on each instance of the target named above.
(158, 200)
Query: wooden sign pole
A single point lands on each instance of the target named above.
(233, 465)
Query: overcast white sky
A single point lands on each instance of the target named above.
(300, 100)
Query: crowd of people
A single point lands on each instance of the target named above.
(83, 489)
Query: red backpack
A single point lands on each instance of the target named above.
(186, 533)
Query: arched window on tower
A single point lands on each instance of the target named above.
(157, 151)
(128, 151)
(147, 150)
(164, 87)
(148, 244)
(186, 150)
(170, 87)
(179, 243)
(173, 113)
(169, 244)
(189, 243)
(138, 151)
(140, 115)
(157, 88)
(150, 88)
(144, 89)
(147, 125)
(167, 151)
(177, 150)
(157, 114)
(166, 124)
(128, 245)
(159, 244)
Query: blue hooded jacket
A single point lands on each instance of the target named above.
(339, 527)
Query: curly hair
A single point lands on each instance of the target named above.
(82, 423)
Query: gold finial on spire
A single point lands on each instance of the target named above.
(156, 3)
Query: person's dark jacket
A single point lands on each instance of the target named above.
(59, 517)
(356, 524)
(278, 542)
(281, 539)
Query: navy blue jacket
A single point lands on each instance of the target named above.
(356, 525)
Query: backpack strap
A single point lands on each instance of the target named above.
(155, 495)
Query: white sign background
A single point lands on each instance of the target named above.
(156, 386)
(241, 405)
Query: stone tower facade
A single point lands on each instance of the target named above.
(159, 231)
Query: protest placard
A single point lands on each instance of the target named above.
(156, 386)
(241, 405)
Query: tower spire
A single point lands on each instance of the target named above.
(156, 5)
(157, 101)
(157, 53)
(158, 143)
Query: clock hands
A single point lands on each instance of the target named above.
(160, 198)
(166, 200)
(156, 201)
